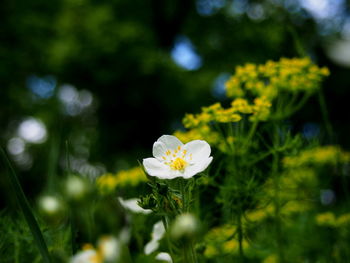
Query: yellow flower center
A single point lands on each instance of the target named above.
(178, 164)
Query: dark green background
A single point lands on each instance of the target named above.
(121, 52)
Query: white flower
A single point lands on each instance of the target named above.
(85, 256)
(164, 257)
(175, 159)
(131, 205)
(50, 204)
(157, 234)
(110, 248)
(185, 225)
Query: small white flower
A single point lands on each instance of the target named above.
(185, 225)
(85, 256)
(131, 205)
(175, 159)
(76, 187)
(110, 248)
(164, 257)
(50, 204)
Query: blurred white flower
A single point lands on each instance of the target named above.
(165, 257)
(109, 248)
(157, 234)
(131, 205)
(50, 204)
(76, 187)
(185, 225)
(175, 159)
(86, 256)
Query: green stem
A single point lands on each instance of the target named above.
(250, 134)
(300, 104)
(27, 211)
(188, 249)
(240, 238)
(185, 254)
(165, 223)
(53, 157)
(325, 115)
(193, 252)
(274, 173)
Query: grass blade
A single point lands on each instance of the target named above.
(27, 212)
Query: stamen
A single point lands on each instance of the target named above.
(178, 164)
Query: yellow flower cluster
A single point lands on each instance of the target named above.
(329, 219)
(318, 156)
(259, 214)
(215, 113)
(107, 183)
(220, 241)
(202, 133)
(292, 75)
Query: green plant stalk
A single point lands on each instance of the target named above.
(240, 237)
(53, 158)
(325, 115)
(73, 233)
(250, 134)
(27, 212)
(166, 227)
(189, 254)
(274, 172)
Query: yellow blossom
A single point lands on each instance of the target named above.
(107, 183)
(326, 219)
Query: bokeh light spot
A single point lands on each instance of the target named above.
(185, 55)
(32, 130)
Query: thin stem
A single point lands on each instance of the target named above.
(240, 237)
(67, 158)
(250, 134)
(188, 250)
(185, 254)
(53, 157)
(274, 172)
(325, 115)
(165, 223)
(193, 252)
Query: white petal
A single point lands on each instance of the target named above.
(155, 168)
(174, 174)
(164, 257)
(159, 150)
(158, 231)
(170, 141)
(151, 247)
(197, 168)
(131, 205)
(86, 256)
(199, 149)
